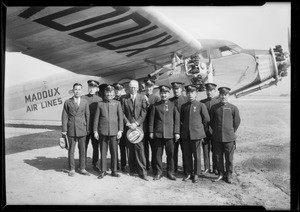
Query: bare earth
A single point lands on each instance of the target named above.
(34, 165)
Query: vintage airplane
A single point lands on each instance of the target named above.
(117, 44)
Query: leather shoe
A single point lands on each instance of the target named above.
(95, 168)
(205, 171)
(144, 177)
(187, 178)
(84, 172)
(102, 174)
(123, 169)
(195, 179)
(157, 177)
(71, 173)
(229, 179)
(115, 174)
(219, 178)
(171, 177)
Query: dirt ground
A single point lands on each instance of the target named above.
(34, 165)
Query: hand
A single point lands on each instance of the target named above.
(133, 126)
(177, 136)
(64, 133)
(119, 135)
(151, 135)
(96, 135)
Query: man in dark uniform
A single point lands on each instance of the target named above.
(93, 100)
(194, 118)
(164, 124)
(135, 110)
(178, 100)
(119, 93)
(75, 125)
(225, 120)
(151, 99)
(108, 128)
(207, 144)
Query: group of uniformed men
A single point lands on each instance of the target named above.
(166, 122)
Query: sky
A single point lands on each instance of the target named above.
(251, 27)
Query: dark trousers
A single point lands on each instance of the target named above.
(122, 146)
(192, 150)
(224, 149)
(112, 143)
(214, 156)
(206, 146)
(81, 148)
(149, 142)
(95, 144)
(136, 157)
(175, 157)
(159, 144)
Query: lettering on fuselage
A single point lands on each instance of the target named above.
(106, 41)
(46, 96)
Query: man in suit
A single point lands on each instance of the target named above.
(75, 125)
(119, 93)
(93, 100)
(151, 99)
(194, 118)
(178, 100)
(225, 120)
(109, 124)
(135, 110)
(164, 124)
(207, 144)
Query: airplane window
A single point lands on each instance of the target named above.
(226, 51)
(215, 53)
(204, 54)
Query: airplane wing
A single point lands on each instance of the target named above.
(97, 41)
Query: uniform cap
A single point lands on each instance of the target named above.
(109, 88)
(149, 82)
(93, 83)
(164, 88)
(118, 86)
(176, 85)
(224, 90)
(190, 88)
(210, 86)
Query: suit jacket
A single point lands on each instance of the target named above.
(134, 112)
(75, 119)
(164, 120)
(108, 118)
(194, 118)
(93, 102)
(152, 98)
(225, 120)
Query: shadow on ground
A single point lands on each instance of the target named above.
(32, 141)
(59, 164)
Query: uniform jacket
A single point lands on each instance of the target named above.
(194, 118)
(93, 102)
(75, 119)
(134, 112)
(108, 118)
(152, 98)
(225, 120)
(179, 101)
(164, 120)
(209, 102)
